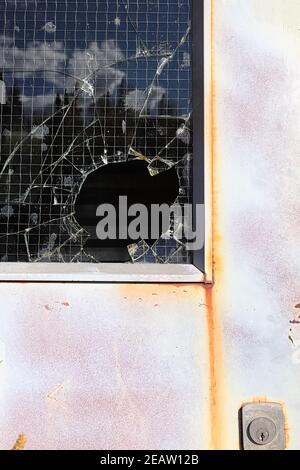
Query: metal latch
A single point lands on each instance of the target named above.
(263, 426)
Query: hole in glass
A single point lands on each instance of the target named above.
(104, 186)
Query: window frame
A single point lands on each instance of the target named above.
(202, 170)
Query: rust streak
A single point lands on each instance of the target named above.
(213, 130)
(215, 373)
(217, 394)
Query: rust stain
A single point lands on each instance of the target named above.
(46, 307)
(143, 292)
(216, 395)
(53, 395)
(20, 442)
(66, 304)
(257, 399)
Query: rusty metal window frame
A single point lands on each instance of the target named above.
(165, 273)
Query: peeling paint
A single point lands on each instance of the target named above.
(54, 305)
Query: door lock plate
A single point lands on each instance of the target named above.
(263, 426)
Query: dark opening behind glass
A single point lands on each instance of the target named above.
(85, 85)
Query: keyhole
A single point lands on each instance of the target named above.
(262, 437)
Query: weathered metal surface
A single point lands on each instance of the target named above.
(121, 367)
(103, 366)
(257, 206)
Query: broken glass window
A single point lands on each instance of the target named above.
(95, 102)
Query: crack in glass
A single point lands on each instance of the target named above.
(97, 117)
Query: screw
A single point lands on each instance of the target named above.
(262, 431)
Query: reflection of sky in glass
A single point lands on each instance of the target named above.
(88, 83)
(39, 37)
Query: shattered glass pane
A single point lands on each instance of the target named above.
(84, 85)
(138, 250)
